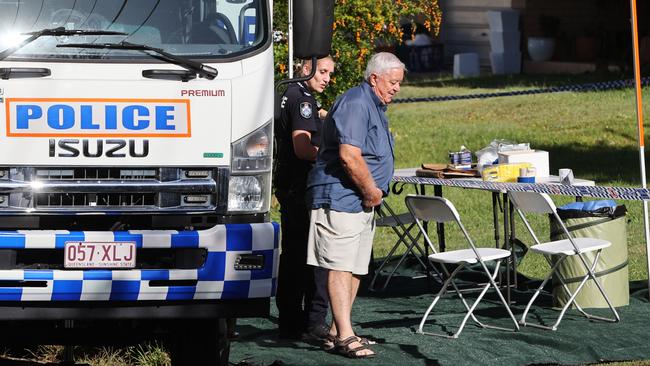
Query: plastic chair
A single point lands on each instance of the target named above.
(402, 225)
(441, 210)
(541, 203)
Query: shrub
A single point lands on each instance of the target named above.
(150, 354)
(359, 27)
(104, 356)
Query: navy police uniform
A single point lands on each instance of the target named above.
(301, 298)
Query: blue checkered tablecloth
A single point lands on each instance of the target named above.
(622, 193)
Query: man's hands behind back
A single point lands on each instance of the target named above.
(373, 198)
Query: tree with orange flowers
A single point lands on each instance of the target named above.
(359, 27)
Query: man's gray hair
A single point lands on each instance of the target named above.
(382, 62)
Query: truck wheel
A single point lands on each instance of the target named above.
(203, 342)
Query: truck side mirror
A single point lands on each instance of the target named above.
(312, 28)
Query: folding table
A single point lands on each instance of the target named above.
(499, 190)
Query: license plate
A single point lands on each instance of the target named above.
(85, 254)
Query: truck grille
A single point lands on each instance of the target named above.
(112, 189)
(76, 200)
(95, 174)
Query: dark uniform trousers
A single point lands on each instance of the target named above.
(302, 298)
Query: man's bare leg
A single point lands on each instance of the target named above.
(341, 285)
(355, 281)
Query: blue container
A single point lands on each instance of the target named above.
(460, 157)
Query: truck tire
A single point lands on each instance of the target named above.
(203, 342)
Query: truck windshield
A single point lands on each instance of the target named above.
(198, 29)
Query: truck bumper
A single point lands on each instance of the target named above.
(216, 279)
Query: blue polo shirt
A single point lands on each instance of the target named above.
(357, 118)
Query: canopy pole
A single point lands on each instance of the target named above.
(639, 115)
(290, 37)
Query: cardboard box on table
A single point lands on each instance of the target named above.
(537, 158)
(503, 172)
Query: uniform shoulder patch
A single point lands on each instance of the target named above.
(305, 109)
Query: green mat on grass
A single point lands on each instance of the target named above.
(390, 317)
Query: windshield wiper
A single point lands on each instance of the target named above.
(60, 31)
(202, 70)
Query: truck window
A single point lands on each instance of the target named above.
(199, 29)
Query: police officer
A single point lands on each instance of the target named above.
(301, 298)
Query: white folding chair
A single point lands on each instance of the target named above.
(441, 210)
(403, 225)
(541, 203)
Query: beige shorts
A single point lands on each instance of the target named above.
(340, 241)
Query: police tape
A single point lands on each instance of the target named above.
(605, 85)
(621, 193)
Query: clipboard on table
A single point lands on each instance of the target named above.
(445, 171)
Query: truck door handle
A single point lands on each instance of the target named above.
(23, 72)
(182, 75)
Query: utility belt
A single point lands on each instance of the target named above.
(291, 196)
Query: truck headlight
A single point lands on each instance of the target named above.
(248, 193)
(249, 188)
(253, 152)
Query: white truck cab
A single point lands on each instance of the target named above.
(135, 170)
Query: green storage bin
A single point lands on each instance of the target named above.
(612, 268)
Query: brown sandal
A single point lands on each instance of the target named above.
(330, 342)
(342, 347)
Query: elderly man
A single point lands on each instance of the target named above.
(351, 175)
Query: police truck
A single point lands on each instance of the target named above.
(136, 148)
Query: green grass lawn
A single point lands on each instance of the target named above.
(593, 133)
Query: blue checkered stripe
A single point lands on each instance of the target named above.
(216, 279)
